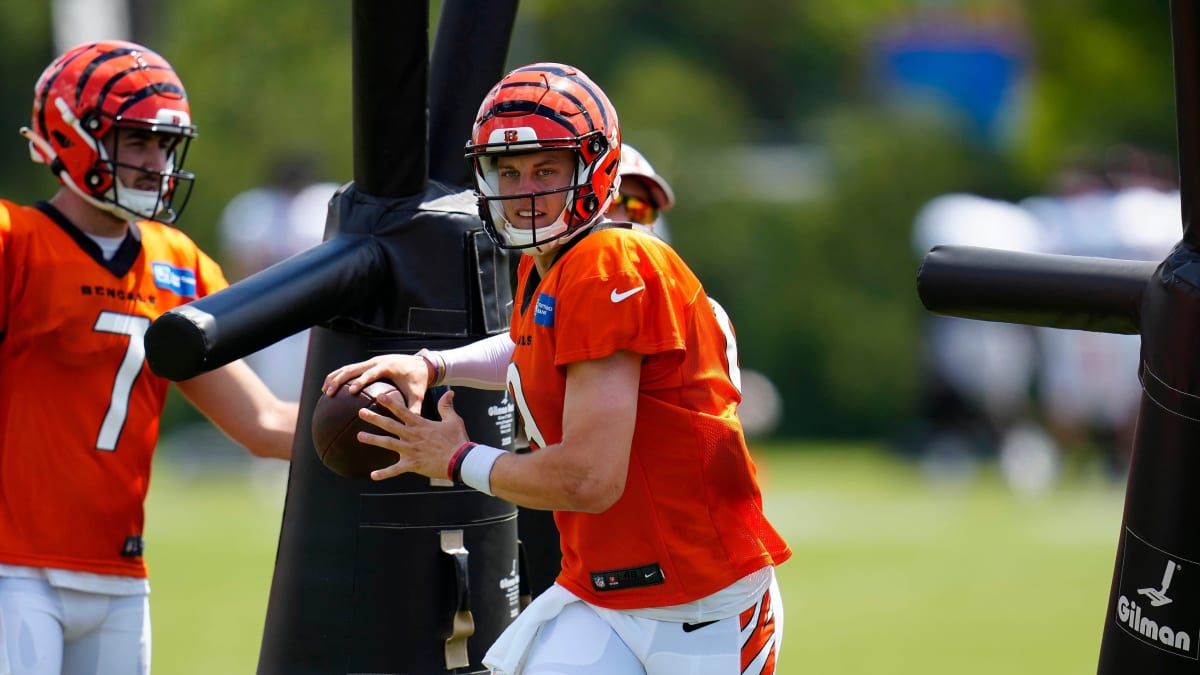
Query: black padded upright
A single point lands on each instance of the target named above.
(1152, 620)
(407, 575)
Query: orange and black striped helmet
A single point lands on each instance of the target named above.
(546, 106)
(99, 88)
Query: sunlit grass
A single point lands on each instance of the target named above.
(211, 541)
(890, 573)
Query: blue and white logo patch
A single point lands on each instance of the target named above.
(181, 282)
(543, 313)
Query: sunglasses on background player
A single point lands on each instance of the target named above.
(637, 210)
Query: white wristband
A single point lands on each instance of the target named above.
(477, 467)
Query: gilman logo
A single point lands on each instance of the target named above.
(1166, 615)
(1131, 615)
(1158, 596)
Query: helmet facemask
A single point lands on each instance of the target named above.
(578, 210)
(172, 184)
(537, 108)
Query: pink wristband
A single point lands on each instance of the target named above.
(454, 470)
(432, 364)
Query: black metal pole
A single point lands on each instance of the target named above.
(1040, 289)
(277, 302)
(1186, 52)
(407, 575)
(1152, 624)
(461, 76)
(389, 52)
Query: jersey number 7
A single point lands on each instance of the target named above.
(135, 355)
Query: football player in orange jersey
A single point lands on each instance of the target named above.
(82, 275)
(620, 370)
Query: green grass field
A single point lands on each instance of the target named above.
(890, 574)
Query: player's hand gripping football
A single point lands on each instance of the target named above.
(423, 446)
(409, 373)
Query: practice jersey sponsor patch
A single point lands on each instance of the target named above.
(180, 281)
(543, 313)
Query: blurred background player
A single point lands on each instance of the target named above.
(82, 276)
(980, 376)
(643, 196)
(1040, 399)
(1123, 204)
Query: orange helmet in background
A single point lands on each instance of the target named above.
(546, 106)
(106, 87)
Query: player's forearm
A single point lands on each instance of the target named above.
(242, 406)
(483, 364)
(274, 434)
(546, 480)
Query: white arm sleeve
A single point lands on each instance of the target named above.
(483, 364)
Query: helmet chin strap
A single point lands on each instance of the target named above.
(37, 143)
(48, 156)
(109, 207)
(148, 204)
(526, 238)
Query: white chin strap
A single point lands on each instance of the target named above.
(134, 205)
(524, 238)
(518, 237)
(139, 203)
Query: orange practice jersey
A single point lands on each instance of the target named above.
(79, 408)
(690, 521)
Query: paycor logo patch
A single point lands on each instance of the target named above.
(178, 280)
(1157, 598)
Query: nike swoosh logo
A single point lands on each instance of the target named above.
(617, 297)
(689, 627)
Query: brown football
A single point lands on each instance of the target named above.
(335, 427)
